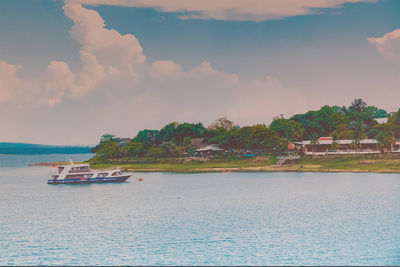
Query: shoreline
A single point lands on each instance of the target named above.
(266, 168)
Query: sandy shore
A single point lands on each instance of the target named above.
(49, 164)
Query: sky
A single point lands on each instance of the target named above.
(73, 70)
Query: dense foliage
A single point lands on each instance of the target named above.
(355, 122)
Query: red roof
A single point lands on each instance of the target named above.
(291, 146)
(325, 138)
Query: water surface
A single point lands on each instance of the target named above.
(201, 219)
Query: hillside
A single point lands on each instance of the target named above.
(34, 149)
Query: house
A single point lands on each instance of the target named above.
(198, 142)
(209, 151)
(327, 146)
(381, 120)
(396, 146)
(123, 142)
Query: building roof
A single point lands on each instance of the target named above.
(124, 142)
(327, 138)
(211, 147)
(343, 142)
(196, 142)
(291, 146)
(124, 139)
(381, 120)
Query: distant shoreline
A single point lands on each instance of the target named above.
(9, 148)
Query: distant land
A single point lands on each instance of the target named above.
(35, 149)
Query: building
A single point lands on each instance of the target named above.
(327, 146)
(396, 147)
(198, 142)
(209, 151)
(124, 142)
(381, 120)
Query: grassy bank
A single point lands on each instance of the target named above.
(381, 163)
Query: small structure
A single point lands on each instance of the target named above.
(124, 142)
(210, 151)
(396, 146)
(291, 146)
(198, 142)
(381, 120)
(327, 146)
(291, 159)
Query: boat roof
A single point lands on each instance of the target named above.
(76, 165)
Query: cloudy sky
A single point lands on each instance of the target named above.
(73, 70)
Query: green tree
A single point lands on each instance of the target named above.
(342, 131)
(358, 136)
(314, 142)
(108, 137)
(133, 149)
(167, 133)
(156, 152)
(193, 130)
(361, 117)
(169, 149)
(358, 105)
(290, 129)
(147, 137)
(321, 122)
(384, 133)
(222, 123)
(108, 149)
(105, 140)
(394, 122)
(335, 145)
(187, 142)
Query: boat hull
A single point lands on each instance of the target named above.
(116, 179)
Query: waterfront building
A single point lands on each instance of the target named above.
(328, 146)
(209, 151)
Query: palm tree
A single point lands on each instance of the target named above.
(335, 144)
(357, 138)
(314, 141)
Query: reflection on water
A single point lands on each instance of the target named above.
(201, 219)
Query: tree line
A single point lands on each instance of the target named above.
(356, 122)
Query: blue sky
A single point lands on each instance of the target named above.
(249, 68)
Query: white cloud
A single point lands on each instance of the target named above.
(251, 10)
(388, 45)
(8, 80)
(166, 67)
(117, 90)
(105, 53)
(57, 78)
(47, 89)
(115, 62)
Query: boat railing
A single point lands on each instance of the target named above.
(80, 171)
(107, 170)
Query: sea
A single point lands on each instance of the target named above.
(198, 219)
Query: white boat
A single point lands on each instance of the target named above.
(83, 174)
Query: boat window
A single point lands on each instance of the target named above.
(60, 169)
(116, 173)
(104, 174)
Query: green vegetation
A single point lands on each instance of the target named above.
(365, 163)
(168, 148)
(180, 164)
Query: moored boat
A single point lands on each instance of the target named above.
(83, 174)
